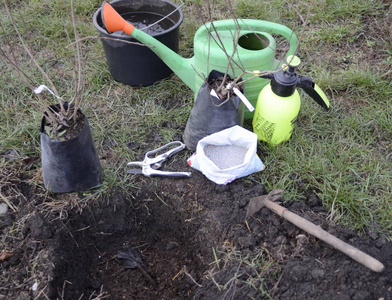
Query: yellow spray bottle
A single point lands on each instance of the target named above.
(279, 102)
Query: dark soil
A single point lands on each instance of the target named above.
(193, 242)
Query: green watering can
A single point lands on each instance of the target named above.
(247, 43)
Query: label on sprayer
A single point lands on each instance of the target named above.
(264, 128)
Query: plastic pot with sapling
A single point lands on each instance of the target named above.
(216, 108)
(70, 161)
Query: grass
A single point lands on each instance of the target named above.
(344, 155)
(256, 270)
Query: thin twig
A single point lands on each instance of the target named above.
(165, 17)
(22, 75)
(27, 49)
(107, 38)
(80, 83)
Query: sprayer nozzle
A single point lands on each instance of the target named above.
(293, 61)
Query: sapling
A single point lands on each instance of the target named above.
(60, 118)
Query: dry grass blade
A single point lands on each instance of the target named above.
(102, 295)
(10, 204)
(5, 254)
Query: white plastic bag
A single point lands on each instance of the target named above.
(235, 136)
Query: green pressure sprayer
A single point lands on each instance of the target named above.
(279, 102)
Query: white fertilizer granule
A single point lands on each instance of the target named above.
(226, 156)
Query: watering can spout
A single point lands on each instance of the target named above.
(113, 21)
(182, 67)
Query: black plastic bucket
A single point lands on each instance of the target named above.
(135, 64)
(71, 165)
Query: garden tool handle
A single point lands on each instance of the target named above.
(153, 172)
(156, 162)
(174, 147)
(323, 235)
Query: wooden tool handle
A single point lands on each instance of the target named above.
(330, 239)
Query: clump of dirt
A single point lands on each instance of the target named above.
(193, 242)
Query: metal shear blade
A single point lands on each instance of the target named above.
(150, 165)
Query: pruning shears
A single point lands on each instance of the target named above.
(152, 162)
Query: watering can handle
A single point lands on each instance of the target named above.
(275, 28)
(269, 27)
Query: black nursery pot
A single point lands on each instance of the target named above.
(209, 115)
(136, 64)
(71, 165)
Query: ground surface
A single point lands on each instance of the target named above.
(189, 239)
